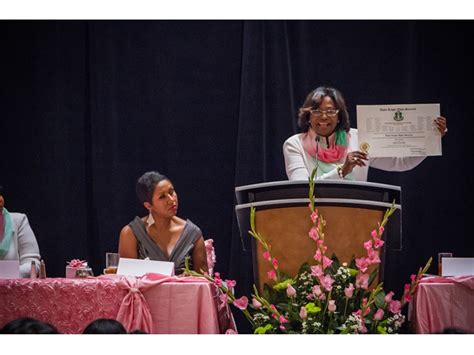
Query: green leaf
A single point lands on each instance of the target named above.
(283, 285)
(379, 299)
(263, 330)
(381, 329)
(312, 308)
(353, 272)
(252, 218)
(373, 275)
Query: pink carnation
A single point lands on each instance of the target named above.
(241, 303)
(326, 282)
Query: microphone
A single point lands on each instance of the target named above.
(316, 139)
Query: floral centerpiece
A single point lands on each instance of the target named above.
(327, 297)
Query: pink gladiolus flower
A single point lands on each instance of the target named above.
(310, 297)
(314, 216)
(273, 308)
(313, 234)
(230, 284)
(230, 331)
(378, 243)
(318, 255)
(324, 248)
(362, 264)
(275, 263)
(412, 277)
(266, 255)
(319, 243)
(388, 297)
(326, 282)
(290, 291)
(363, 328)
(256, 304)
(395, 306)
(349, 290)
(217, 275)
(379, 314)
(407, 287)
(241, 303)
(407, 297)
(374, 234)
(218, 281)
(326, 262)
(381, 229)
(272, 275)
(282, 328)
(303, 313)
(362, 281)
(332, 306)
(373, 257)
(368, 245)
(322, 297)
(283, 320)
(358, 313)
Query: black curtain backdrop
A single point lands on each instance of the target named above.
(88, 106)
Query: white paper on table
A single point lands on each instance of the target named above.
(401, 130)
(457, 267)
(9, 269)
(138, 267)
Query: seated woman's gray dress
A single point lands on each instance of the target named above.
(146, 247)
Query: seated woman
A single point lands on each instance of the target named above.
(17, 240)
(328, 142)
(162, 235)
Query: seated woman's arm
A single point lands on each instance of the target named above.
(27, 247)
(127, 244)
(199, 256)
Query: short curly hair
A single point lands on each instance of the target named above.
(314, 99)
(146, 185)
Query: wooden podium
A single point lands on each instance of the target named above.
(351, 210)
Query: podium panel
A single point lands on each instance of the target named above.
(285, 222)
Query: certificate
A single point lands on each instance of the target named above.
(398, 130)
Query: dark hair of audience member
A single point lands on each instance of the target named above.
(137, 331)
(105, 326)
(28, 326)
(453, 330)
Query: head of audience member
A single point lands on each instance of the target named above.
(105, 326)
(28, 326)
(157, 194)
(137, 331)
(324, 110)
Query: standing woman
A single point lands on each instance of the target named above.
(162, 235)
(17, 240)
(328, 142)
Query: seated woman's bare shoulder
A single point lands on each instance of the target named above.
(127, 243)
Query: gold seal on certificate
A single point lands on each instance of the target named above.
(364, 147)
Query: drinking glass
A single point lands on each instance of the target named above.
(440, 261)
(111, 263)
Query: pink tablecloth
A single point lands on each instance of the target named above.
(444, 302)
(152, 303)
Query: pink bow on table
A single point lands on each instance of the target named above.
(134, 312)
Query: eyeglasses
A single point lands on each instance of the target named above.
(320, 113)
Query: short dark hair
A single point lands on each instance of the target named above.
(28, 325)
(314, 99)
(105, 326)
(146, 185)
(1, 190)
